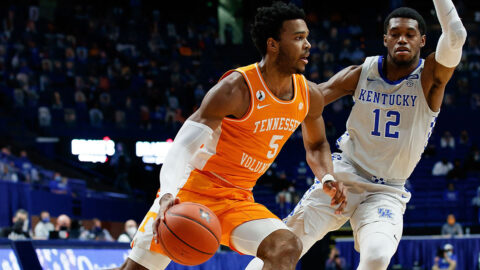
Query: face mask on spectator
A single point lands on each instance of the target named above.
(131, 231)
(46, 220)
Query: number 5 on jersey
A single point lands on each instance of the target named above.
(274, 146)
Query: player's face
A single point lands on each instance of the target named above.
(294, 47)
(403, 40)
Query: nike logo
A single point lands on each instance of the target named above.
(370, 80)
(260, 107)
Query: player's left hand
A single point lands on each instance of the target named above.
(338, 193)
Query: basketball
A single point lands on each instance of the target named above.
(190, 233)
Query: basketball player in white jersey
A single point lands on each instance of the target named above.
(397, 100)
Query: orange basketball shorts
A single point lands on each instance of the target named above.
(233, 206)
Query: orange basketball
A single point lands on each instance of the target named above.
(190, 233)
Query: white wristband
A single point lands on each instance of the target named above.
(328, 177)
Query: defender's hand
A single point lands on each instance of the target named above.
(338, 193)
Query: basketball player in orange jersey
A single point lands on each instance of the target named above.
(231, 140)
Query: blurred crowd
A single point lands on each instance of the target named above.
(117, 69)
(63, 227)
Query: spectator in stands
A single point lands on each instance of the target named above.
(62, 228)
(59, 185)
(96, 116)
(130, 230)
(447, 140)
(97, 233)
(199, 93)
(19, 229)
(8, 172)
(476, 203)
(25, 166)
(284, 202)
(451, 194)
(464, 139)
(473, 160)
(445, 259)
(457, 172)
(441, 168)
(452, 228)
(335, 262)
(44, 117)
(44, 226)
(76, 229)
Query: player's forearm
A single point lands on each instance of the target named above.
(449, 47)
(319, 158)
(188, 140)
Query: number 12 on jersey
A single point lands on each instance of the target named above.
(394, 120)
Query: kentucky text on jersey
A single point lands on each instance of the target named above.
(254, 165)
(387, 99)
(277, 123)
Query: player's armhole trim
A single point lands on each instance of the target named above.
(307, 96)
(251, 106)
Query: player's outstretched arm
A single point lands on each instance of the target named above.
(318, 150)
(230, 97)
(439, 66)
(341, 84)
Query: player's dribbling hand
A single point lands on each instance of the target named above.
(338, 193)
(166, 202)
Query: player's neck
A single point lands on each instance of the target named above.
(395, 72)
(278, 82)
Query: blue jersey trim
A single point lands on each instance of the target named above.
(380, 71)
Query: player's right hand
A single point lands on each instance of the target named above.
(166, 202)
(338, 193)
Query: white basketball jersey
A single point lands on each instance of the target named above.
(390, 123)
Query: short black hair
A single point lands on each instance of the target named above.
(269, 20)
(406, 12)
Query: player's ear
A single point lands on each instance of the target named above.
(272, 45)
(423, 42)
(385, 40)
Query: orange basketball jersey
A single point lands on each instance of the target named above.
(243, 149)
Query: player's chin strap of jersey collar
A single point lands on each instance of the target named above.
(450, 43)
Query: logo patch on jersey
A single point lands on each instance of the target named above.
(385, 213)
(410, 83)
(336, 156)
(260, 95)
(260, 107)
(300, 106)
(378, 180)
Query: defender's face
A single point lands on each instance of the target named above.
(403, 40)
(294, 47)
